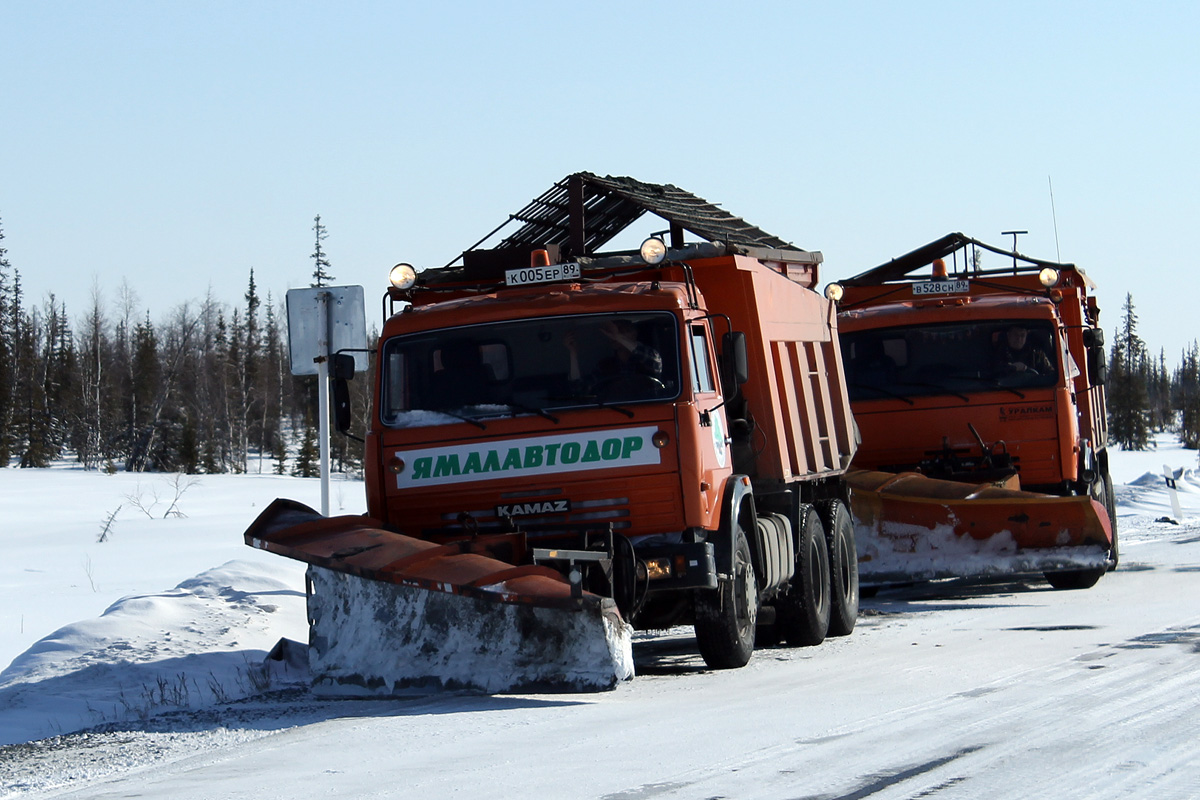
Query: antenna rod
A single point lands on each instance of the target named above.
(1054, 217)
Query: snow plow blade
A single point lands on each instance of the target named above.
(912, 527)
(390, 614)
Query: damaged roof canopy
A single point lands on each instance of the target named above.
(583, 212)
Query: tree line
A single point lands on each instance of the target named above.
(1145, 395)
(207, 389)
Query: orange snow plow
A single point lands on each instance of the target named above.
(912, 527)
(979, 395)
(408, 592)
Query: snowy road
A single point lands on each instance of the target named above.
(1010, 690)
(950, 690)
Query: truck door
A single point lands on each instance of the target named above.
(711, 427)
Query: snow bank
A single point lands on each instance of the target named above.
(200, 644)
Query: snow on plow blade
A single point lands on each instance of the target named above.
(390, 613)
(912, 527)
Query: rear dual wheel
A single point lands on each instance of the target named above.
(843, 566)
(822, 599)
(804, 611)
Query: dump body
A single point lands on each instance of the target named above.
(982, 377)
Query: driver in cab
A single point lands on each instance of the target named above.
(627, 357)
(1018, 354)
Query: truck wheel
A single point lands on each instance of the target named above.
(1110, 505)
(726, 618)
(1075, 578)
(804, 610)
(843, 567)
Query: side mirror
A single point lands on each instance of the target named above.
(735, 365)
(342, 367)
(1093, 337)
(341, 405)
(342, 371)
(1097, 367)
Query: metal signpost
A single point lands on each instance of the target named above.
(321, 322)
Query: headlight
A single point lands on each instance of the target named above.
(654, 250)
(834, 292)
(1048, 277)
(403, 276)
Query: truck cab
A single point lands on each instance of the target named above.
(982, 375)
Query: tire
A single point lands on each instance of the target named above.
(726, 618)
(804, 609)
(1102, 492)
(843, 567)
(1110, 505)
(1075, 578)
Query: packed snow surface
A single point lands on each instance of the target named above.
(139, 666)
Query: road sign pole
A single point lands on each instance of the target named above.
(323, 395)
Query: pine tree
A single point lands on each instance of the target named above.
(1186, 397)
(279, 453)
(59, 377)
(189, 448)
(237, 402)
(29, 419)
(1159, 389)
(7, 347)
(205, 398)
(307, 459)
(146, 374)
(251, 371)
(272, 377)
(1128, 395)
(93, 424)
(218, 408)
(321, 274)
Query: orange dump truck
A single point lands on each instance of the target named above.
(979, 394)
(661, 434)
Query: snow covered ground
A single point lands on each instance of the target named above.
(153, 643)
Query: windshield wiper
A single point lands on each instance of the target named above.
(463, 417)
(541, 412)
(995, 384)
(590, 400)
(622, 409)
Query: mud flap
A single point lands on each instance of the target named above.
(373, 638)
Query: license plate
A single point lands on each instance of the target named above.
(548, 274)
(941, 287)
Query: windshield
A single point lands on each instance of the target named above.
(529, 366)
(955, 358)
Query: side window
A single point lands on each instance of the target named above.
(397, 399)
(702, 379)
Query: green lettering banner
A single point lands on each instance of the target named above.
(539, 455)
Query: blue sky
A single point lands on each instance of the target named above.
(175, 146)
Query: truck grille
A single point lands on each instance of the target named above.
(650, 504)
